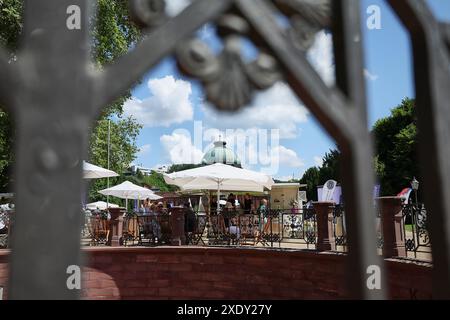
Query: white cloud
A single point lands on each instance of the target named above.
(178, 148)
(284, 178)
(169, 103)
(174, 7)
(318, 161)
(145, 149)
(320, 55)
(287, 157)
(275, 108)
(370, 76)
(278, 107)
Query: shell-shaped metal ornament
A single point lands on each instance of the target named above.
(307, 17)
(196, 59)
(231, 89)
(263, 72)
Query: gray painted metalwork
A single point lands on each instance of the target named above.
(55, 94)
(432, 83)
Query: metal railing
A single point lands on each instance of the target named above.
(416, 229)
(6, 226)
(270, 228)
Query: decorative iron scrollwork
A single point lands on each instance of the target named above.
(307, 18)
(228, 80)
(148, 13)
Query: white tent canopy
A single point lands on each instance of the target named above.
(101, 205)
(91, 171)
(128, 190)
(220, 177)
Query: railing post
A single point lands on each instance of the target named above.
(116, 224)
(324, 219)
(177, 225)
(393, 227)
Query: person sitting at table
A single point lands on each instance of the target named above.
(143, 208)
(159, 208)
(232, 199)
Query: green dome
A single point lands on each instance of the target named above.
(221, 154)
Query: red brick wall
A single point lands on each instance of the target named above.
(223, 273)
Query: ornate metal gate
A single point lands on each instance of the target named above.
(55, 94)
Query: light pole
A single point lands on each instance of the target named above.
(109, 140)
(415, 187)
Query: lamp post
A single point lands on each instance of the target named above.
(415, 187)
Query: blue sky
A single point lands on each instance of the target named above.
(172, 107)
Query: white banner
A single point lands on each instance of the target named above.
(328, 190)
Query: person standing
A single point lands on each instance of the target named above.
(247, 203)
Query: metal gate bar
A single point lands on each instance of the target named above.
(432, 84)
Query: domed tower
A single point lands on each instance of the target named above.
(221, 154)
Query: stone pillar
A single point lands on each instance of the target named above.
(393, 227)
(177, 225)
(116, 226)
(324, 220)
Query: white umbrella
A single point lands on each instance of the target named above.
(128, 190)
(102, 205)
(218, 177)
(91, 171)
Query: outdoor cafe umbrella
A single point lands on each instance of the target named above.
(91, 171)
(128, 190)
(101, 205)
(218, 177)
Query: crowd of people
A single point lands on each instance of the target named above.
(154, 208)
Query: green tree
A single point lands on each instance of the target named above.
(123, 134)
(156, 180)
(181, 167)
(311, 178)
(10, 26)
(330, 169)
(113, 35)
(6, 153)
(396, 145)
(316, 176)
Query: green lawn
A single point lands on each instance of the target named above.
(409, 227)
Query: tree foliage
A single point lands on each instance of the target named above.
(113, 34)
(396, 144)
(123, 134)
(330, 169)
(311, 178)
(185, 166)
(10, 23)
(395, 154)
(316, 176)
